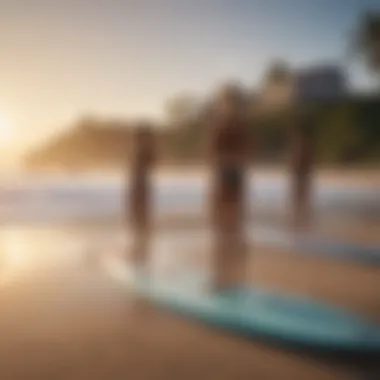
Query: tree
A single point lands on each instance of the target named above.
(278, 72)
(182, 109)
(367, 40)
(341, 137)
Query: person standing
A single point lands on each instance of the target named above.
(229, 155)
(143, 158)
(302, 162)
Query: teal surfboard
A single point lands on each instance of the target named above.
(291, 320)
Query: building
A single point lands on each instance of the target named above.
(284, 88)
(320, 83)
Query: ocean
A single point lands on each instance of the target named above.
(38, 200)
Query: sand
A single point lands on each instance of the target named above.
(74, 322)
(71, 321)
(110, 339)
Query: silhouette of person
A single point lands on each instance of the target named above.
(142, 160)
(228, 148)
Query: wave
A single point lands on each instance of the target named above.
(48, 200)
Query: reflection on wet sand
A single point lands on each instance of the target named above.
(63, 317)
(28, 249)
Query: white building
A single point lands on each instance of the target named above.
(303, 86)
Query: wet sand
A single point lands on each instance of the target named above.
(357, 231)
(67, 319)
(77, 326)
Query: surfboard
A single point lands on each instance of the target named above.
(287, 319)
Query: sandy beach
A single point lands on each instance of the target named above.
(63, 317)
(76, 327)
(66, 319)
(190, 190)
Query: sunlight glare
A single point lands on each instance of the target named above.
(6, 129)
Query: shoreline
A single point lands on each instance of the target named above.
(186, 170)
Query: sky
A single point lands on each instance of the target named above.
(62, 59)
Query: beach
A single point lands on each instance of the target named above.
(64, 317)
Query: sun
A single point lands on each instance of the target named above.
(6, 129)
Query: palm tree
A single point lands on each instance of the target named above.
(367, 40)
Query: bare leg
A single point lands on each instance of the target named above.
(302, 165)
(300, 203)
(230, 248)
(141, 228)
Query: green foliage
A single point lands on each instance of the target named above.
(339, 138)
(367, 40)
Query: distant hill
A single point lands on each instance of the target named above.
(90, 144)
